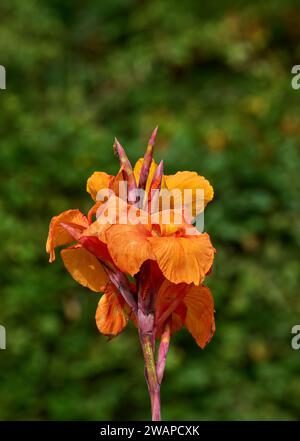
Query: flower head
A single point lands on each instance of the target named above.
(141, 228)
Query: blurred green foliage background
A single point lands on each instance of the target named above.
(216, 77)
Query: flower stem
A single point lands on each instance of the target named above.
(146, 321)
(156, 414)
(151, 376)
(163, 352)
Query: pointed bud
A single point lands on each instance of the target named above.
(127, 171)
(153, 136)
(147, 160)
(157, 177)
(124, 161)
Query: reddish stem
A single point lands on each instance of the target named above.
(151, 376)
(163, 352)
(156, 413)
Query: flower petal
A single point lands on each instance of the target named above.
(92, 243)
(95, 247)
(128, 247)
(190, 180)
(113, 211)
(184, 260)
(58, 235)
(93, 211)
(112, 313)
(98, 181)
(200, 314)
(169, 306)
(97, 229)
(84, 268)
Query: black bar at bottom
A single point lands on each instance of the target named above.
(97, 430)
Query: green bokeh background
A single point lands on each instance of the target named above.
(216, 77)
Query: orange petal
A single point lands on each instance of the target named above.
(128, 247)
(113, 211)
(168, 222)
(97, 229)
(178, 318)
(168, 293)
(190, 180)
(96, 247)
(93, 211)
(115, 183)
(57, 233)
(170, 298)
(98, 181)
(112, 313)
(200, 314)
(184, 260)
(85, 268)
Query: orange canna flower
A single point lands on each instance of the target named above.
(131, 233)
